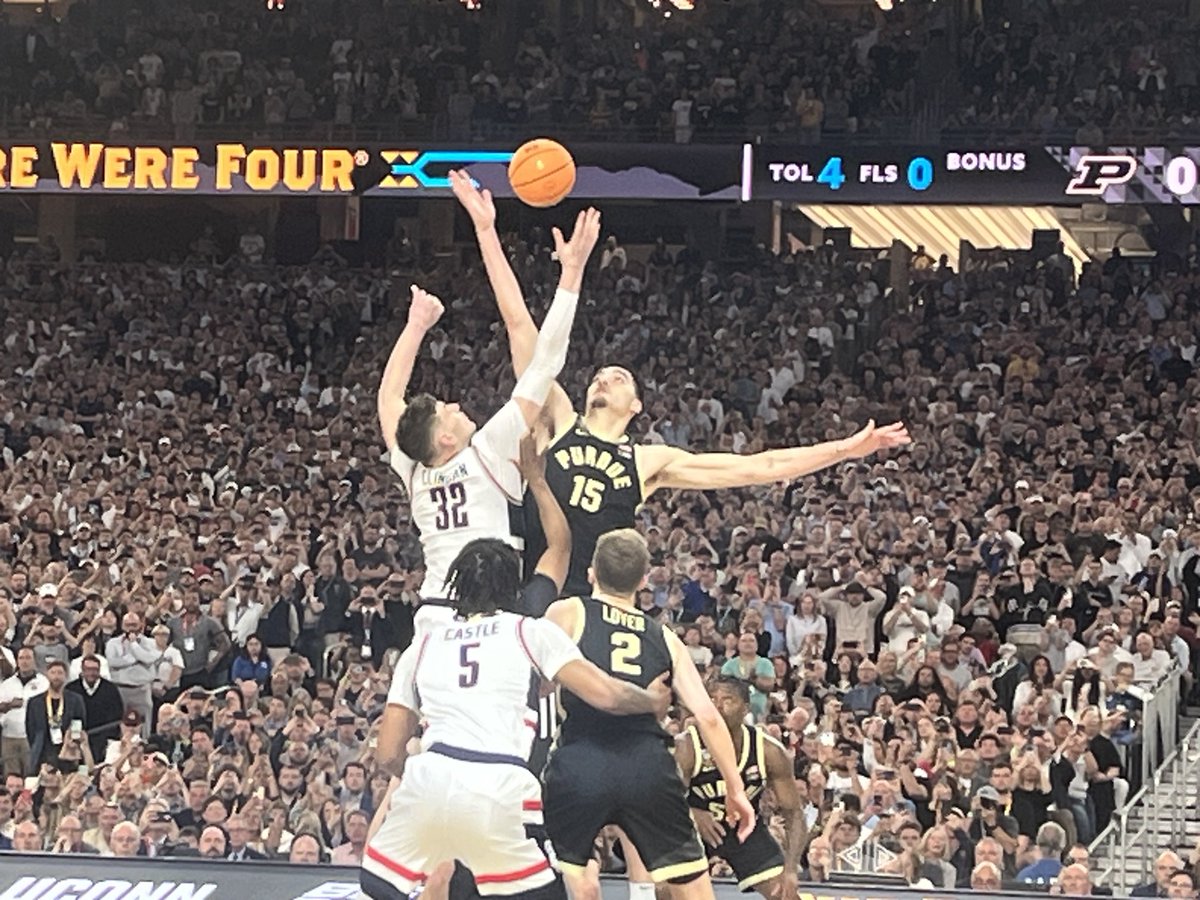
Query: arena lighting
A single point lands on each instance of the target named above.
(472, 5)
(940, 227)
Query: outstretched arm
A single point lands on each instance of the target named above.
(555, 562)
(550, 349)
(426, 309)
(692, 693)
(523, 334)
(670, 467)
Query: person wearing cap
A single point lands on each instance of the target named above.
(854, 609)
(990, 821)
(133, 659)
(50, 716)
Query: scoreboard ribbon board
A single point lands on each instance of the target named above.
(1011, 177)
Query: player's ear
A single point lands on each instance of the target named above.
(591, 576)
(636, 407)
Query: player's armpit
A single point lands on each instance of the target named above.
(568, 615)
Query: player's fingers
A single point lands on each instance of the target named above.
(558, 238)
(580, 222)
(487, 195)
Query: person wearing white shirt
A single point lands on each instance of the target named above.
(15, 692)
(905, 622)
(244, 611)
(1150, 664)
(133, 660)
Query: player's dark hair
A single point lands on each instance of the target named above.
(414, 431)
(621, 562)
(484, 577)
(735, 686)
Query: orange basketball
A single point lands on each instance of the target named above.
(541, 172)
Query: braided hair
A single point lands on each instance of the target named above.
(484, 577)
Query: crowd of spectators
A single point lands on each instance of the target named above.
(1064, 71)
(782, 71)
(236, 67)
(206, 569)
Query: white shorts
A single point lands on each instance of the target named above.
(449, 809)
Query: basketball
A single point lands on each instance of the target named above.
(542, 172)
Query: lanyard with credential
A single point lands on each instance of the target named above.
(54, 717)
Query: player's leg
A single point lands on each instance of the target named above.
(411, 842)
(641, 885)
(757, 862)
(505, 857)
(577, 805)
(654, 814)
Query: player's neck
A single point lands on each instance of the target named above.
(614, 599)
(606, 425)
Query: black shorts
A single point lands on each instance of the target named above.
(755, 860)
(633, 784)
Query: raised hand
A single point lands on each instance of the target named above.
(573, 254)
(478, 203)
(425, 310)
(872, 439)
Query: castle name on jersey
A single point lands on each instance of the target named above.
(431, 476)
(471, 632)
(614, 615)
(595, 458)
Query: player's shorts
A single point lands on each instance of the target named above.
(455, 804)
(755, 860)
(633, 784)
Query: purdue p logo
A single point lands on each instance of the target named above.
(1096, 174)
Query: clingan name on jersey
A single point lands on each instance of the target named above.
(595, 458)
(458, 473)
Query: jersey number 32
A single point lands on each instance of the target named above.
(450, 500)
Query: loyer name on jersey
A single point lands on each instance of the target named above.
(629, 621)
(601, 460)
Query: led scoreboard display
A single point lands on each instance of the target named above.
(902, 175)
(965, 175)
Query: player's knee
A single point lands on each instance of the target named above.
(685, 879)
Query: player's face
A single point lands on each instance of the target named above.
(730, 706)
(454, 427)
(614, 388)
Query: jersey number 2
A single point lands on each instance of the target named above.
(626, 648)
(450, 501)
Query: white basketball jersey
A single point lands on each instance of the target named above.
(469, 680)
(468, 497)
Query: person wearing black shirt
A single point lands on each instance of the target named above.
(375, 625)
(102, 703)
(1108, 768)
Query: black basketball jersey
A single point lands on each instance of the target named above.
(596, 483)
(628, 646)
(707, 789)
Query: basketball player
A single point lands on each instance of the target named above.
(608, 770)
(467, 680)
(599, 477)
(757, 862)
(460, 480)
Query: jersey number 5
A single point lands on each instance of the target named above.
(469, 676)
(587, 494)
(450, 501)
(626, 648)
